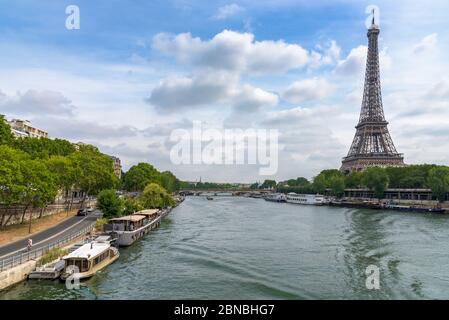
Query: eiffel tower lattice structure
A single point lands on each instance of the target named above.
(372, 144)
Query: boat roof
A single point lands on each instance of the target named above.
(88, 251)
(133, 218)
(148, 212)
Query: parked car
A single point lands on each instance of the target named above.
(82, 212)
(90, 209)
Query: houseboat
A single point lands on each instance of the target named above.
(90, 258)
(128, 229)
(276, 197)
(310, 199)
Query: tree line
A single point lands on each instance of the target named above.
(148, 188)
(33, 171)
(376, 179)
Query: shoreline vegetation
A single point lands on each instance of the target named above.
(333, 183)
(35, 171)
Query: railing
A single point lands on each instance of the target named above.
(25, 255)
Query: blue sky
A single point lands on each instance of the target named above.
(295, 66)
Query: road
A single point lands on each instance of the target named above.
(50, 235)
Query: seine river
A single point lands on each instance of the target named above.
(243, 248)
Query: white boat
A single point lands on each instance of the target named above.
(276, 197)
(128, 229)
(310, 199)
(90, 258)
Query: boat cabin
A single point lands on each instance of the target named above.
(88, 256)
(129, 223)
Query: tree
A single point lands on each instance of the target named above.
(324, 179)
(6, 137)
(169, 181)
(110, 203)
(94, 171)
(337, 185)
(65, 173)
(353, 179)
(254, 186)
(43, 148)
(154, 196)
(132, 205)
(376, 179)
(438, 181)
(268, 184)
(11, 179)
(139, 176)
(39, 186)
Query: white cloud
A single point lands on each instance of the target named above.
(227, 11)
(36, 102)
(208, 89)
(308, 90)
(75, 129)
(353, 63)
(250, 99)
(233, 51)
(426, 43)
(184, 92)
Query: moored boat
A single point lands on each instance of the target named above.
(90, 258)
(308, 199)
(129, 229)
(276, 197)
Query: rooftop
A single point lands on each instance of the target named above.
(88, 251)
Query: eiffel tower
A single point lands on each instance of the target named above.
(372, 144)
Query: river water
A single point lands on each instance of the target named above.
(243, 248)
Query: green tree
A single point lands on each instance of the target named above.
(110, 203)
(268, 184)
(337, 185)
(438, 181)
(94, 171)
(132, 205)
(323, 180)
(65, 174)
(11, 179)
(376, 179)
(6, 137)
(169, 181)
(353, 179)
(43, 148)
(154, 196)
(39, 185)
(139, 176)
(255, 186)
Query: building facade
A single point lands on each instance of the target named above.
(116, 163)
(24, 128)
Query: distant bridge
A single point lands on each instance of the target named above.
(216, 192)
